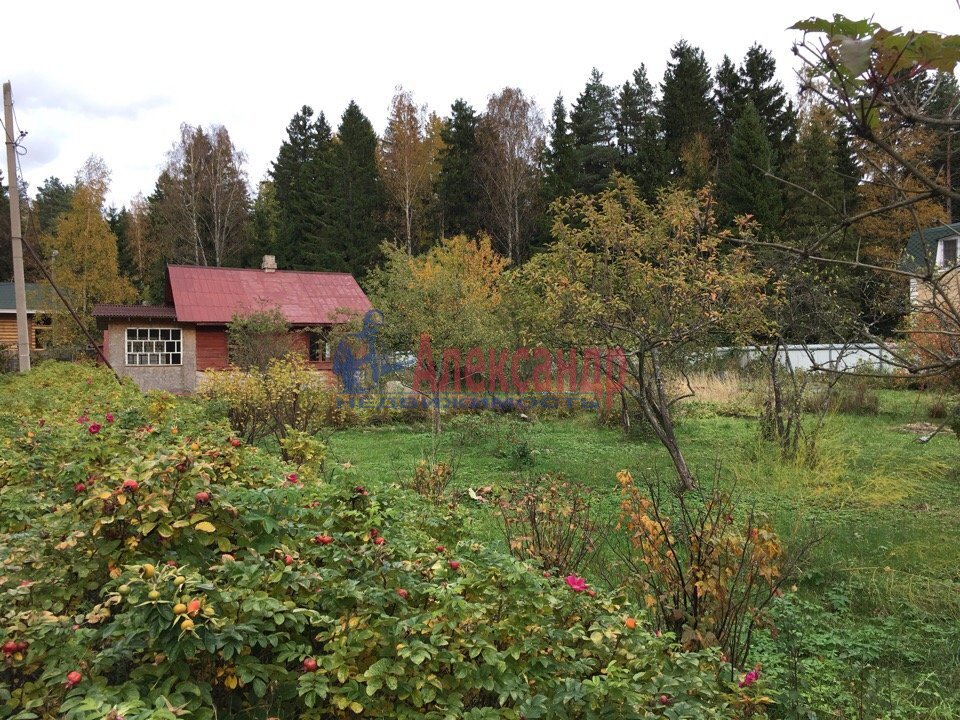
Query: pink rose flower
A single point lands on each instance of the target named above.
(94, 428)
(577, 584)
(109, 417)
(750, 678)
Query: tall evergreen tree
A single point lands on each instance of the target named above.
(593, 122)
(457, 187)
(560, 161)
(356, 226)
(639, 140)
(775, 110)
(729, 97)
(53, 199)
(301, 180)
(687, 106)
(743, 187)
(814, 180)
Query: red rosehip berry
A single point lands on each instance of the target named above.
(233, 441)
(664, 699)
(202, 497)
(440, 549)
(130, 486)
(288, 559)
(453, 565)
(310, 665)
(73, 678)
(403, 593)
(379, 540)
(9, 647)
(293, 478)
(322, 539)
(79, 488)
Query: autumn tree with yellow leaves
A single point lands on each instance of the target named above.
(652, 280)
(440, 305)
(82, 253)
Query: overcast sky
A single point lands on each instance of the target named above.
(117, 79)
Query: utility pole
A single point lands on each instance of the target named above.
(19, 286)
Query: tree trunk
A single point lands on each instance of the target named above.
(652, 397)
(435, 413)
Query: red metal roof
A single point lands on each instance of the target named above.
(215, 295)
(158, 312)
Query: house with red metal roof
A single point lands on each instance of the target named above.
(170, 346)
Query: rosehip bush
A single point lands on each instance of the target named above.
(149, 604)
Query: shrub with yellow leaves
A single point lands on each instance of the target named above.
(706, 571)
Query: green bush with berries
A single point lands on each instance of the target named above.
(155, 566)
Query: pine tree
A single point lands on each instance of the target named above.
(358, 200)
(639, 140)
(560, 160)
(743, 187)
(52, 200)
(594, 128)
(687, 106)
(457, 187)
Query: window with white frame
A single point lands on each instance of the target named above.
(948, 252)
(154, 346)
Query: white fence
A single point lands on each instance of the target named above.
(872, 357)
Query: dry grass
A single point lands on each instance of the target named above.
(731, 391)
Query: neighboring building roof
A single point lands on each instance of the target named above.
(922, 246)
(143, 312)
(40, 298)
(215, 295)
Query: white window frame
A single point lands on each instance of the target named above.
(941, 252)
(153, 346)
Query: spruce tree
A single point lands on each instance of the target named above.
(775, 110)
(301, 178)
(352, 240)
(457, 189)
(729, 97)
(641, 154)
(560, 160)
(743, 187)
(593, 125)
(687, 106)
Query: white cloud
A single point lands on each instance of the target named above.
(118, 81)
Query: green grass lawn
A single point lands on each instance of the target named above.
(882, 584)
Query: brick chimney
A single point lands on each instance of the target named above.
(269, 263)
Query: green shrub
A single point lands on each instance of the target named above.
(166, 571)
(288, 395)
(256, 339)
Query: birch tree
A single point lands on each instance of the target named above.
(511, 139)
(204, 203)
(408, 163)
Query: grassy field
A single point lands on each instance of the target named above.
(874, 628)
